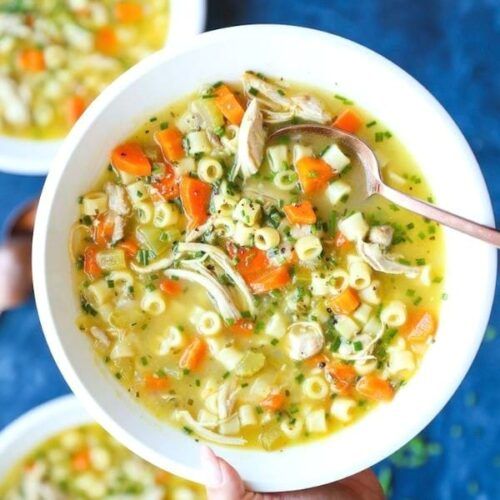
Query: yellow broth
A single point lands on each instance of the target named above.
(56, 57)
(85, 463)
(287, 400)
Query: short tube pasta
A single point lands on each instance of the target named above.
(144, 211)
(98, 293)
(394, 314)
(341, 408)
(94, 203)
(308, 247)
(153, 303)
(137, 192)
(338, 281)
(286, 180)
(360, 275)
(224, 227)
(210, 170)
(292, 428)
(315, 387)
(266, 238)
(209, 323)
(277, 157)
(248, 415)
(165, 214)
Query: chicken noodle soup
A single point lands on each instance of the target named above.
(55, 57)
(238, 286)
(86, 463)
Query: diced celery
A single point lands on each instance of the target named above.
(112, 259)
(211, 117)
(251, 363)
(151, 237)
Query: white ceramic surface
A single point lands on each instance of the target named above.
(33, 428)
(31, 157)
(326, 61)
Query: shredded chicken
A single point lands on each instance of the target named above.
(382, 235)
(226, 398)
(366, 353)
(251, 142)
(198, 232)
(118, 227)
(305, 339)
(159, 265)
(219, 295)
(117, 199)
(100, 336)
(207, 434)
(223, 261)
(277, 107)
(372, 253)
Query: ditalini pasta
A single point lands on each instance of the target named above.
(235, 284)
(87, 463)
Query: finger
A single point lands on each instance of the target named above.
(221, 480)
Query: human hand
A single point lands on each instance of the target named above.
(224, 483)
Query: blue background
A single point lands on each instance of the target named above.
(451, 47)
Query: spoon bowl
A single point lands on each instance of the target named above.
(375, 184)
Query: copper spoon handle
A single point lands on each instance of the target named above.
(484, 233)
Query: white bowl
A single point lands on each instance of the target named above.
(31, 429)
(328, 62)
(32, 157)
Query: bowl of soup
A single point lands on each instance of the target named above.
(57, 57)
(202, 277)
(57, 451)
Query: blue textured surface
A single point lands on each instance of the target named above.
(450, 46)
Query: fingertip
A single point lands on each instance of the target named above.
(211, 467)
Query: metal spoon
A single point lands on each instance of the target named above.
(375, 185)
(15, 259)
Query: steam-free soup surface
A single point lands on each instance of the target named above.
(241, 288)
(87, 463)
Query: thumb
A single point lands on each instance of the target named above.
(221, 480)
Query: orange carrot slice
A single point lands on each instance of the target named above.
(313, 174)
(154, 383)
(349, 121)
(128, 12)
(170, 287)
(80, 461)
(373, 387)
(106, 41)
(273, 402)
(419, 326)
(168, 185)
(129, 246)
(195, 197)
(130, 158)
(90, 265)
(242, 327)
(75, 106)
(343, 375)
(272, 279)
(31, 60)
(345, 303)
(228, 105)
(193, 355)
(170, 142)
(300, 213)
(103, 230)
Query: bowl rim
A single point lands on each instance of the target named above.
(33, 157)
(30, 429)
(42, 292)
